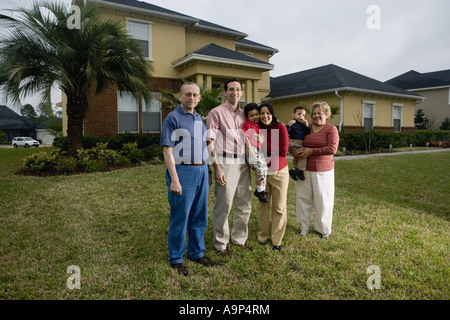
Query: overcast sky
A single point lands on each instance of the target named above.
(413, 34)
(380, 39)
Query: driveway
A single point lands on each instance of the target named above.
(6, 146)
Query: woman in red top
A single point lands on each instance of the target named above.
(275, 146)
(318, 187)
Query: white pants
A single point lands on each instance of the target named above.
(317, 190)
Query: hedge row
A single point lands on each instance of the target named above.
(99, 158)
(148, 143)
(382, 140)
(373, 140)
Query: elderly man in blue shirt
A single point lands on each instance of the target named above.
(185, 155)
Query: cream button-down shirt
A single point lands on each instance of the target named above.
(224, 126)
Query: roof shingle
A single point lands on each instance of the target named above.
(416, 80)
(329, 78)
(213, 50)
(10, 120)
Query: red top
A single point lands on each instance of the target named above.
(250, 128)
(324, 145)
(276, 140)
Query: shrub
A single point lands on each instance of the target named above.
(382, 140)
(91, 158)
(153, 152)
(135, 147)
(95, 165)
(90, 142)
(122, 161)
(45, 161)
(133, 153)
(66, 165)
(61, 143)
(2, 137)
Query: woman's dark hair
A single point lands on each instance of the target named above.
(271, 110)
(249, 107)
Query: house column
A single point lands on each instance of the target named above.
(255, 91)
(248, 91)
(208, 84)
(199, 80)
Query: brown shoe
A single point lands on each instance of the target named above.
(180, 269)
(245, 248)
(224, 253)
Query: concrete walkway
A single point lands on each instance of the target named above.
(363, 156)
(371, 155)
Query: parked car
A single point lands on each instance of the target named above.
(25, 142)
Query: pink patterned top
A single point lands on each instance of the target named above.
(324, 145)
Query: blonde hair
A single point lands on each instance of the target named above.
(323, 106)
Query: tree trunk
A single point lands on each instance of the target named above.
(76, 109)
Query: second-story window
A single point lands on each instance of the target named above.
(142, 33)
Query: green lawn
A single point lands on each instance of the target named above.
(391, 212)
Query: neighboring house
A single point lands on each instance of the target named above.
(14, 125)
(365, 103)
(434, 86)
(179, 47)
(43, 135)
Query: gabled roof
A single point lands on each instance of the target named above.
(10, 120)
(415, 80)
(245, 43)
(152, 10)
(217, 54)
(331, 78)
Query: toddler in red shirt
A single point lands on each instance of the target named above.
(256, 159)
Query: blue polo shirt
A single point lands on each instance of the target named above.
(186, 134)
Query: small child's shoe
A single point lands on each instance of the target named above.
(300, 175)
(293, 174)
(262, 196)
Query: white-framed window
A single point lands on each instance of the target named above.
(151, 116)
(128, 109)
(368, 115)
(397, 117)
(141, 31)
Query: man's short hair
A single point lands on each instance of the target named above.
(232, 80)
(188, 84)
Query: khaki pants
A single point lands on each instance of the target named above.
(277, 188)
(237, 193)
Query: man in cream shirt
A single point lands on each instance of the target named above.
(232, 174)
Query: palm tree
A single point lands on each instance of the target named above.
(40, 50)
(211, 98)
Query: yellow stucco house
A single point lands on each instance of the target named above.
(434, 87)
(179, 47)
(365, 103)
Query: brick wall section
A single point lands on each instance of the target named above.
(409, 129)
(102, 118)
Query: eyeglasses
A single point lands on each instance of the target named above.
(191, 95)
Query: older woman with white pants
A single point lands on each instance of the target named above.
(317, 190)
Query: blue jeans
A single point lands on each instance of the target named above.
(188, 212)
